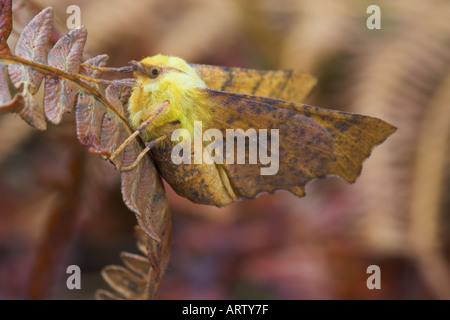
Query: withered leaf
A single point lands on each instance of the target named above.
(32, 111)
(142, 240)
(89, 110)
(113, 131)
(126, 283)
(32, 45)
(14, 106)
(136, 263)
(106, 295)
(143, 192)
(5, 94)
(117, 95)
(5, 25)
(60, 94)
(130, 283)
(89, 117)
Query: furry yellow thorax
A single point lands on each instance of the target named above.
(178, 83)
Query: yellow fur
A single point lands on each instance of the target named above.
(177, 83)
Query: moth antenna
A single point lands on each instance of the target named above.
(124, 69)
(129, 81)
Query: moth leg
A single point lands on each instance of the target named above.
(139, 129)
(148, 146)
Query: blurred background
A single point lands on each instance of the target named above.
(60, 205)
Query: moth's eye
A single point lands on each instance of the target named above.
(153, 72)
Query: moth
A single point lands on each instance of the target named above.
(312, 142)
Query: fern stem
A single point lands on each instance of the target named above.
(75, 78)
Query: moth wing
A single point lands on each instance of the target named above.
(289, 85)
(305, 149)
(313, 143)
(353, 135)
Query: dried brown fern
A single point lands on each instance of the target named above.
(100, 117)
(396, 73)
(405, 216)
(133, 281)
(428, 192)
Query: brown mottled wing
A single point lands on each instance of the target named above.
(353, 135)
(313, 143)
(305, 147)
(289, 85)
(305, 152)
(200, 183)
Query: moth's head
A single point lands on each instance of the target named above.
(164, 78)
(161, 69)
